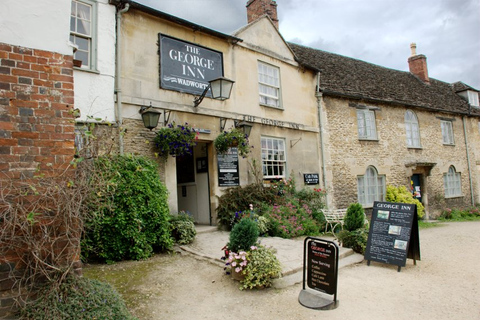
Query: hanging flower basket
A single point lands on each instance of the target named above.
(233, 138)
(175, 140)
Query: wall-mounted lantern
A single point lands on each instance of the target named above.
(150, 116)
(221, 89)
(246, 127)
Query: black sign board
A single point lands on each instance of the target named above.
(228, 168)
(393, 235)
(311, 178)
(320, 272)
(187, 67)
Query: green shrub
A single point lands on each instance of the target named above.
(402, 195)
(182, 227)
(240, 198)
(357, 239)
(472, 213)
(128, 211)
(354, 218)
(315, 199)
(77, 298)
(262, 267)
(243, 235)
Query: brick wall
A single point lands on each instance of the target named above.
(36, 128)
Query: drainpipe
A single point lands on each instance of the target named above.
(118, 64)
(319, 95)
(468, 161)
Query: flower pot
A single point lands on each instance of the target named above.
(77, 63)
(239, 276)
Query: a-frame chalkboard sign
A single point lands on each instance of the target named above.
(393, 235)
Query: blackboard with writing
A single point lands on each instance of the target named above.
(393, 235)
(321, 263)
(228, 175)
(311, 178)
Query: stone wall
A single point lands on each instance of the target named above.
(36, 134)
(349, 157)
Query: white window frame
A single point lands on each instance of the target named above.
(452, 181)
(447, 132)
(412, 129)
(367, 128)
(370, 187)
(473, 98)
(269, 85)
(274, 158)
(89, 36)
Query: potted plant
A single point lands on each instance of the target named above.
(232, 138)
(175, 140)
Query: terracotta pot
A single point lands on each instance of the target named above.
(239, 276)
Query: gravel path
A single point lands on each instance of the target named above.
(445, 284)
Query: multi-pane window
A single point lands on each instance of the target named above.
(366, 124)
(473, 98)
(82, 31)
(412, 129)
(273, 158)
(269, 85)
(371, 187)
(447, 132)
(452, 183)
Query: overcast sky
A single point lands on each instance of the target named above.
(447, 32)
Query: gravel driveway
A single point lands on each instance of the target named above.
(445, 284)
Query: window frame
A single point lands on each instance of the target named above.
(412, 129)
(473, 98)
(272, 86)
(452, 183)
(367, 124)
(274, 150)
(90, 38)
(368, 182)
(447, 132)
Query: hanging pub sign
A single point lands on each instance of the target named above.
(228, 168)
(393, 235)
(187, 67)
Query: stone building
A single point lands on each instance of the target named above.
(387, 127)
(165, 64)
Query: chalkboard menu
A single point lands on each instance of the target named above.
(393, 235)
(228, 168)
(321, 266)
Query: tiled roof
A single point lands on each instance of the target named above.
(347, 77)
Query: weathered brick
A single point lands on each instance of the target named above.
(31, 59)
(44, 54)
(8, 78)
(60, 77)
(5, 47)
(7, 142)
(4, 86)
(8, 63)
(25, 73)
(15, 56)
(5, 70)
(24, 80)
(3, 55)
(5, 150)
(25, 135)
(23, 65)
(23, 50)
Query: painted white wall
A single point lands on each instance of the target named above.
(94, 90)
(34, 24)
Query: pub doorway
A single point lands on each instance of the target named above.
(193, 192)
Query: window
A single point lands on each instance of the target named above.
(447, 132)
(269, 85)
(451, 181)
(412, 129)
(366, 124)
(273, 158)
(473, 98)
(82, 31)
(371, 187)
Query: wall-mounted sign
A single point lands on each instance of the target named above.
(311, 178)
(393, 235)
(228, 168)
(187, 67)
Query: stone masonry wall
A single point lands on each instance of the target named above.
(36, 129)
(349, 157)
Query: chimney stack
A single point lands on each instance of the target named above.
(417, 64)
(259, 8)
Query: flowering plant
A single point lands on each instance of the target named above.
(233, 138)
(175, 140)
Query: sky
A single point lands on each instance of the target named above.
(447, 32)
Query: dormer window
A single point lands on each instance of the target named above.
(473, 98)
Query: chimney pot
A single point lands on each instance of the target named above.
(259, 8)
(413, 48)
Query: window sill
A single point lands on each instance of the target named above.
(367, 139)
(449, 144)
(453, 197)
(415, 148)
(273, 107)
(86, 70)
